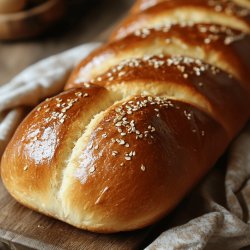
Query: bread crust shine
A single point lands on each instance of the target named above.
(104, 184)
(143, 118)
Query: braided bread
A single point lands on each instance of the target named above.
(141, 121)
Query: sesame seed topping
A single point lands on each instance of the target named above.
(143, 168)
(86, 85)
(127, 158)
(186, 65)
(79, 94)
(104, 135)
(92, 169)
(188, 115)
(121, 142)
(114, 153)
(229, 7)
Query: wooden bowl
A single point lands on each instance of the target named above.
(31, 22)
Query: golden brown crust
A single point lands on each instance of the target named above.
(141, 5)
(96, 194)
(114, 173)
(36, 155)
(218, 45)
(194, 11)
(186, 79)
(152, 113)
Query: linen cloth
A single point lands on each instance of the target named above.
(216, 215)
(41, 80)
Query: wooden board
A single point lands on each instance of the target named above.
(24, 228)
(20, 227)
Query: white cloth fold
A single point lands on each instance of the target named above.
(213, 223)
(41, 80)
(220, 227)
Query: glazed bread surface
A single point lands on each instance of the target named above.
(165, 13)
(217, 45)
(141, 121)
(141, 5)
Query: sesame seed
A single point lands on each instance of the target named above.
(114, 153)
(87, 85)
(127, 158)
(122, 142)
(92, 169)
(104, 135)
(79, 94)
(58, 99)
(143, 168)
(121, 73)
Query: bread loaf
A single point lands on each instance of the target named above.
(11, 6)
(165, 13)
(141, 121)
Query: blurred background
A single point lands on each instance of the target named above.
(31, 30)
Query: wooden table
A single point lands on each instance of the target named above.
(21, 228)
